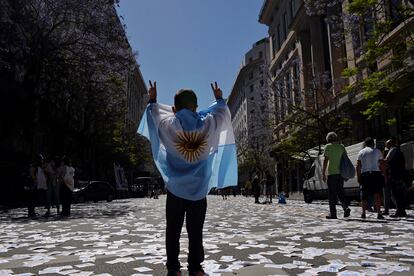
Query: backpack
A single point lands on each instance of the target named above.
(347, 169)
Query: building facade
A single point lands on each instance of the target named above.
(307, 65)
(252, 112)
(137, 97)
(301, 67)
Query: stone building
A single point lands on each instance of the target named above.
(306, 68)
(136, 93)
(252, 112)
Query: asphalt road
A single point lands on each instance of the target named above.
(126, 237)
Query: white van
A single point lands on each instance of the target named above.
(315, 188)
(408, 151)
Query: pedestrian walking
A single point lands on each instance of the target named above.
(247, 188)
(396, 166)
(66, 175)
(36, 185)
(53, 195)
(224, 193)
(370, 174)
(270, 180)
(256, 187)
(194, 152)
(332, 160)
(387, 190)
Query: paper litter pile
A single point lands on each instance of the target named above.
(126, 237)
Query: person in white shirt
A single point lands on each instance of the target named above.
(370, 174)
(37, 186)
(53, 197)
(66, 175)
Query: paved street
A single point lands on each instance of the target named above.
(126, 237)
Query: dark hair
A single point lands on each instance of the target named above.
(39, 159)
(185, 98)
(56, 159)
(65, 160)
(369, 142)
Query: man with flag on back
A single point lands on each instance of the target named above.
(194, 152)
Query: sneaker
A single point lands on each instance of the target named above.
(32, 215)
(386, 213)
(174, 273)
(197, 273)
(404, 214)
(380, 216)
(363, 215)
(47, 214)
(347, 212)
(399, 215)
(331, 217)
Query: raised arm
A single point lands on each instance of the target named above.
(218, 94)
(156, 111)
(152, 92)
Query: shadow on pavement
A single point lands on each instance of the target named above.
(79, 211)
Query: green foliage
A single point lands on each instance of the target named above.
(373, 84)
(374, 108)
(130, 147)
(72, 56)
(392, 121)
(350, 72)
(360, 7)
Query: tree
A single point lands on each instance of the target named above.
(384, 69)
(69, 59)
(381, 31)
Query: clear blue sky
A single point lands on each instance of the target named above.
(190, 43)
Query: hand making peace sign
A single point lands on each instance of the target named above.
(152, 92)
(216, 90)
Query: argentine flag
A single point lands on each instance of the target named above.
(194, 152)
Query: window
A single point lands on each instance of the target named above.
(296, 79)
(251, 75)
(278, 37)
(260, 54)
(251, 88)
(274, 45)
(288, 86)
(285, 26)
(368, 26)
(250, 60)
(292, 9)
(394, 10)
(261, 83)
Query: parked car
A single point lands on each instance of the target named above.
(142, 186)
(93, 191)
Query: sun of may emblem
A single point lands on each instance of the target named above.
(191, 145)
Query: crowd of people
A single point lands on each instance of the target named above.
(380, 175)
(50, 184)
(260, 183)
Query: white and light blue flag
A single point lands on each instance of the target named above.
(194, 152)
